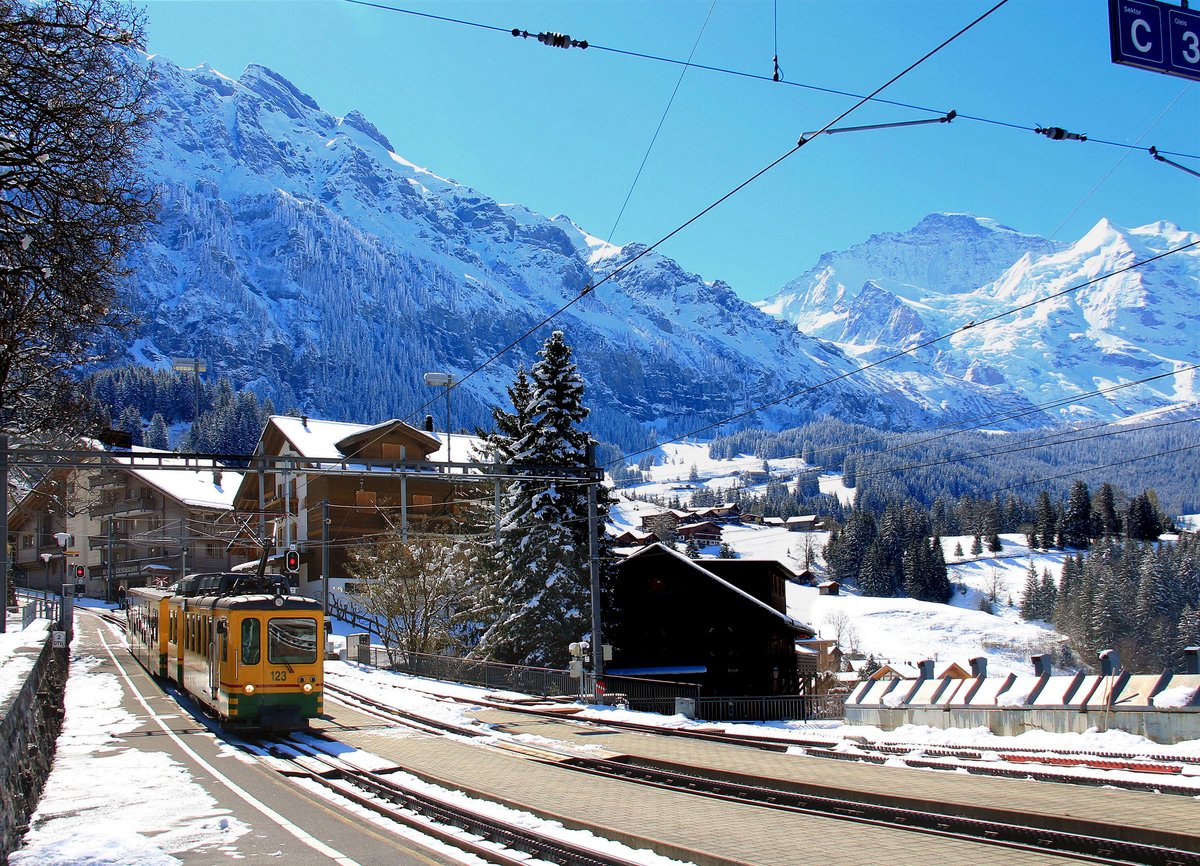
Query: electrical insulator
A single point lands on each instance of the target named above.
(1057, 133)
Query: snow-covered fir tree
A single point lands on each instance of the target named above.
(540, 594)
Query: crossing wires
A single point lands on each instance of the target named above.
(803, 140)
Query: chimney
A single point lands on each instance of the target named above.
(1110, 662)
(304, 421)
(979, 666)
(428, 423)
(1041, 665)
(1191, 660)
(216, 477)
(925, 669)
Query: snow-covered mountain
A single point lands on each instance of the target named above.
(897, 291)
(300, 255)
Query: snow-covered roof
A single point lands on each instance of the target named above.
(212, 486)
(311, 437)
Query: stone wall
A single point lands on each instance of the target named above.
(29, 725)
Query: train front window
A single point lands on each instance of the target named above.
(291, 641)
(251, 641)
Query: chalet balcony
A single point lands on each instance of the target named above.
(124, 506)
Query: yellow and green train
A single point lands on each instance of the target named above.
(242, 646)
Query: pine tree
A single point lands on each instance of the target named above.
(1047, 597)
(542, 585)
(157, 436)
(976, 546)
(1077, 519)
(1031, 606)
(1104, 513)
(995, 545)
(1047, 526)
(876, 573)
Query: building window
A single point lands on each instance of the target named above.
(422, 502)
(392, 451)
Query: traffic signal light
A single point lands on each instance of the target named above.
(291, 561)
(79, 572)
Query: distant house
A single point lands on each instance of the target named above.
(721, 623)
(705, 532)
(801, 523)
(671, 518)
(829, 587)
(632, 538)
(774, 522)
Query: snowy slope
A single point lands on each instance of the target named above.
(896, 291)
(301, 255)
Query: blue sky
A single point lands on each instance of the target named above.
(564, 131)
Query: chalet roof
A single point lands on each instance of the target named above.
(311, 437)
(659, 549)
(213, 486)
(697, 525)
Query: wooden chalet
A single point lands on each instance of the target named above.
(705, 532)
(131, 524)
(633, 538)
(802, 523)
(671, 518)
(721, 623)
(364, 501)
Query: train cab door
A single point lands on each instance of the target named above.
(218, 649)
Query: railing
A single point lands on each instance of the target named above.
(39, 607)
(771, 708)
(646, 695)
(145, 503)
(518, 678)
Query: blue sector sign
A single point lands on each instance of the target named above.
(1152, 35)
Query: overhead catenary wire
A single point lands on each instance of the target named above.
(738, 73)
(917, 347)
(654, 138)
(764, 170)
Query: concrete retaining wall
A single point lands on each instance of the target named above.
(30, 720)
(1163, 708)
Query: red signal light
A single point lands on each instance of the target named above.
(291, 561)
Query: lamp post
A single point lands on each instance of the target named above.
(443, 380)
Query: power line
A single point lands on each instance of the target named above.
(647, 250)
(738, 73)
(901, 353)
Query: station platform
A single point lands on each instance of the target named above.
(686, 827)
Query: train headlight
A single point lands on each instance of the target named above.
(307, 688)
(249, 688)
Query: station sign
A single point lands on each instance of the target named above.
(1150, 34)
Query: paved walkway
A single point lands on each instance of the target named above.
(682, 826)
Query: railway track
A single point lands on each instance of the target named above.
(451, 820)
(1083, 840)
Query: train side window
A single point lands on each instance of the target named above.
(251, 641)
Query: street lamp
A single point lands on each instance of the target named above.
(443, 380)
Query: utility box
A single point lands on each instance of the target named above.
(685, 707)
(358, 648)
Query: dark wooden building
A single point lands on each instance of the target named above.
(720, 623)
